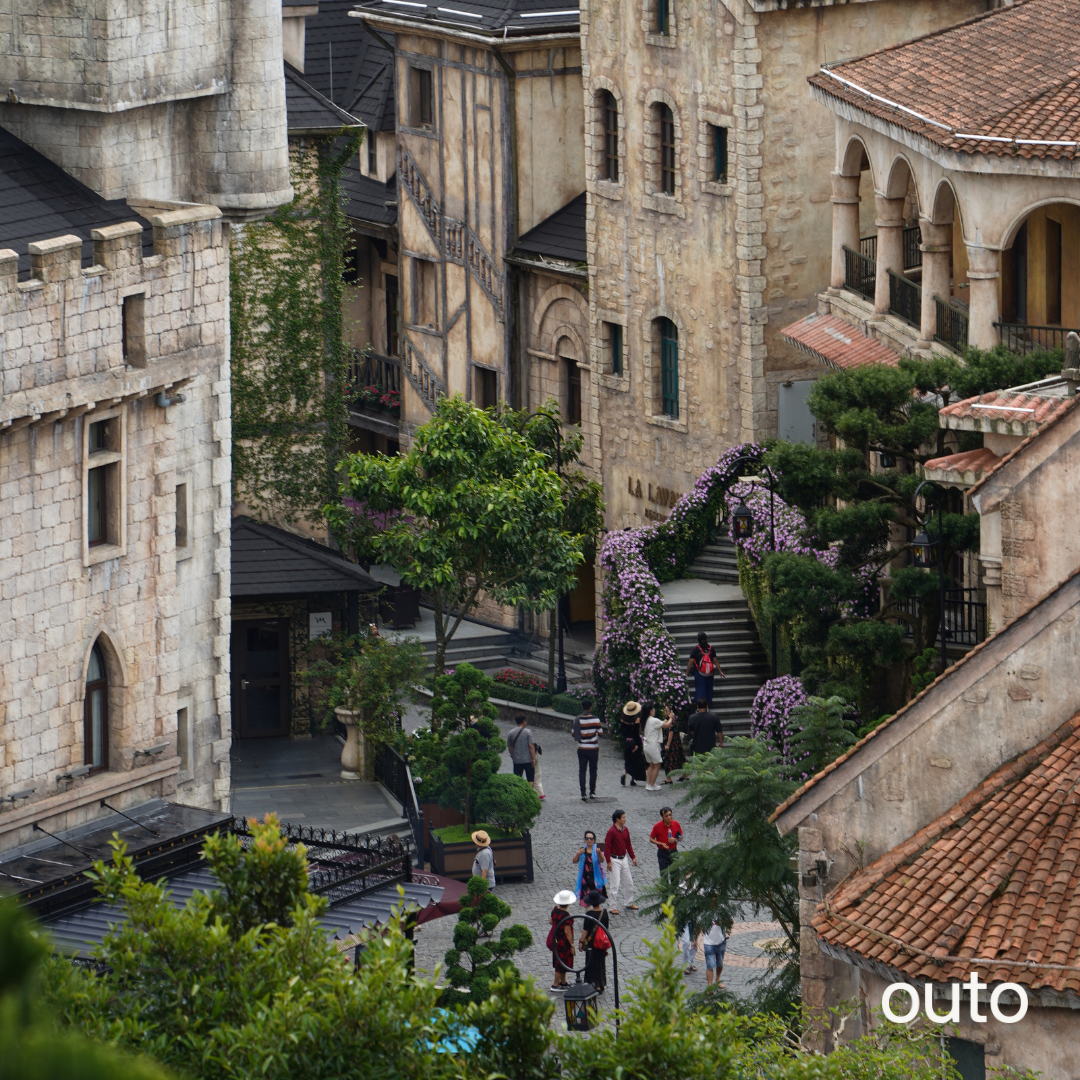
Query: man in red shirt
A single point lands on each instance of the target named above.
(665, 837)
(618, 854)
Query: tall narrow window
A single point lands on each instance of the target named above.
(96, 713)
(425, 298)
(421, 98)
(372, 154)
(100, 441)
(393, 315)
(610, 110)
(719, 147)
(184, 738)
(1053, 272)
(663, 16)
(133, 336)
(181, 515)
(613, 332)
(573, 392)
(669, 368)
(485, 388)
(667, 148)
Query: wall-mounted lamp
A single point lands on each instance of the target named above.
(17, 796)
(74, 774)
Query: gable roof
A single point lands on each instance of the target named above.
(560, 236)
(309, 113)
(267, 561)
(501, 18)
(39, 201)
(837, 343)
(1018, 410)
(348, 65)
(991, 885)
(1006, 83)
(369, 200)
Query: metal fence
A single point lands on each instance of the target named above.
(952, 325)
(912, 247)
(1025, 338)
(965, 616)
(905, 299)
(860, 273)
(392, 771)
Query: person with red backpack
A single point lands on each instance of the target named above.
(595, 941)
(704, 668)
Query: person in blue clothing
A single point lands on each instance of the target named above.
(704, 668)
(590, 864)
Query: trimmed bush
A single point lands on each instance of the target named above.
(509, 803)
(522, 697)
(566, 703)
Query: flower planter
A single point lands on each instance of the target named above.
(356, 762)
(513, 858)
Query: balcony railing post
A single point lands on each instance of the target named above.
(845, 228)
(890, 247)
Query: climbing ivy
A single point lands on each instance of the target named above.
(290, 355)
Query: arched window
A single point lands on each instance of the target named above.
(667, 148)
(96, 713)
(669, 368)
(610, 115)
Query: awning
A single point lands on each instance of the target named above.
(837, 343)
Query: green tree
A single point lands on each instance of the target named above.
(468, 760)
(462, 698)
(508, 803)
(477, 958)
(583, 499)
(472, 511)
(827, 731)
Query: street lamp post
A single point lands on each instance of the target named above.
(925, 549)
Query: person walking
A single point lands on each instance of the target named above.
(652, 741)
(587, 732)
(595, 940)
(706, 731)
(619, 854)
(704, 668)
(665, 837)
(522, 747)
(634, 764)
(484, 864)
(590, 863)
(561, 938)
(673, 756)
(688, 950)
(715, 945)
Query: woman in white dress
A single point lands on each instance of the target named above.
(653, 729)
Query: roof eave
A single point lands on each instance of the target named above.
(489, 39)
(324, 132)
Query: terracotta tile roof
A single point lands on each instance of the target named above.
(963, 468)
(995, 879)
(835, 342)
(1005, 83)
(1021, 410)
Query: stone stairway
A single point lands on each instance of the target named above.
(723, 613)
(716, 562)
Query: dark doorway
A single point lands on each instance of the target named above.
(260, 677)
(573, 391)
(1053, 272)
(969, 1057)
(393, 316)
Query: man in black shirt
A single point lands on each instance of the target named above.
(706, 731)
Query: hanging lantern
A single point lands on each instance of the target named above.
(582, 1006)
(742, 522)
(925, 549)
(888, 461)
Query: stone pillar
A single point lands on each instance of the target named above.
(58, 259)
(118, 246)
(984, 273)
(890, 247)
(936, 248)
(845, 224)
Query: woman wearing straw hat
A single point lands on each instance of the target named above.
(561, 938)
(633, 757)
(484, 864)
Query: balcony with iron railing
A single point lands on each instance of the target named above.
(952, 324)
(860, 272)
(905, 299)
(375, 386)
(1025, 338)
(965, 617)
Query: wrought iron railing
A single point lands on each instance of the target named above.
(868, 248)
(392, 771)
(343, 866)
(965, 616)
(952, 325)
(1024, 337)
(912, 247)
(905, 299)
(370, 369)
(859, 273)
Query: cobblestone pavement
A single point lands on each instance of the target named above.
(557, 836)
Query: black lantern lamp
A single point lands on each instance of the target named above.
(925, 549)
(742, 522)
(582, 1006)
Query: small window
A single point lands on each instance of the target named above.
(485, 388)
(103, 502)
(573, 392)
(102, 435)
(421, 98)
(133, 336)
(97, 505)
(372, 154)
(610, 114)
(613, 334)
(182, 533)
(667, 148)
(970, 1058)
(669, 368)
(393, 315)
(184, 738)
(425, 297)
(718, 137)
(663, 16)
(96, 713)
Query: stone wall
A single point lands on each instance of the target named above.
(155, 600)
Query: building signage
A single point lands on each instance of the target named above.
(654, 493)
(973, 985)
(320, 624)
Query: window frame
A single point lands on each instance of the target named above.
(573, 391)
(92, 689)
(668, 163)
(710, 124)
(669, 367)
(421, 98)
(416, 300)
(184, 483)
(133, 329)
(185, 736)
(615, 348)
(105, 465)
(609, 108)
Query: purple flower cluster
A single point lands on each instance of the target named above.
(770, 718)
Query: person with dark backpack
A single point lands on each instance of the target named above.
(704, 668)
(586, 733)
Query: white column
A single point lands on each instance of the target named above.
(890, 247)
(936, 248)
(845, 223)
(984, 273)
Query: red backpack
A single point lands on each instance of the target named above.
(705, 665)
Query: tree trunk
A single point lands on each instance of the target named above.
(440, 637)
(552, 637)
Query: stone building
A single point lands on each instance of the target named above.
(706, 162)
(114, 479)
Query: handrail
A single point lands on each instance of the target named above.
(951, 326)
(1024, 338)
(860, 273)
(905, 299)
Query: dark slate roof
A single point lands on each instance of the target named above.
(362, 68)
(267, 561)
(561, 236)
(510, 18)
(368, 197)
(309, 112)
(39, 201)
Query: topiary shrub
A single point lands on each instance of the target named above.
(509, 803)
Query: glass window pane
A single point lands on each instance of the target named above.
(95, 508)
(97, 724)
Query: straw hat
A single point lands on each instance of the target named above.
(564, 898)
(631, 708)
(481, 838)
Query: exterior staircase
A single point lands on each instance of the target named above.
(716, 562)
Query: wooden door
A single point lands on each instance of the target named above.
(260, 677)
